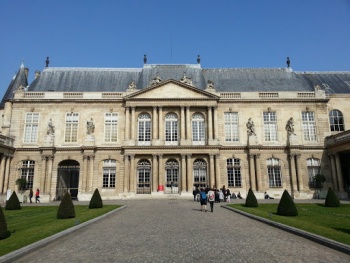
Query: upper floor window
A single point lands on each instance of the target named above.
(27, 173)
(111, 125)
(171, 127)
(198, 131)
(144, 124)
(234, 177)
(31, 127)
(274, 172)
(72, 120)
(313, 168)
(109, 171)
(270, 126)
(309, 126)
(231, 126)
(336, 120)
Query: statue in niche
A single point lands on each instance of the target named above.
(185, 79)
(132, 85)
(156, 80)
(250, 127)
(290, 127)
(90, 126)
(50, 130)
(210, 84)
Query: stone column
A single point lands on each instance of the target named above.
(132, 173)
(334, 173)
(189, 185)
(210, 125)
(160, 170)
(300, 176)
(188, 125)
(252, 172)
(258, 172)
(211, 173)
(2, 174)
(155, 173)
(160, 125)
(91, 172)
(183, 173)
(42, 183)
(126, 173)
(7, 172)
(127, 123)
(182, 127)
(217, 171)
(215, 129)
(339, 172)
(154, 124)
(133, 118)
(293, 176)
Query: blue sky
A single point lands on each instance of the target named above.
(315, 34)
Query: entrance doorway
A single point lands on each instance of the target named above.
(143, 177)
(172, 177)
(200, 173)
(67, 179)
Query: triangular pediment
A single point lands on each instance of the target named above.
(171, 89)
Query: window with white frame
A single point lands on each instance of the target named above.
(31, 127)
(27, 172)
(144, 124)
(270, 126)
(336, 120)
(313, 168)
(234, 177)
(200, 173)
(111, 125)
(171, 127)
(309, 126)
(231, 126)
(72, 120)
(198, 130)
(109, 171)
(274, 172)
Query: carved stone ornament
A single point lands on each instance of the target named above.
(132, 85)
(155, 80)
(250, 127)
(50, 130)
(210, 84)
(186, 80)
(290, 127)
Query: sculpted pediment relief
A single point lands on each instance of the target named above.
(172, 90)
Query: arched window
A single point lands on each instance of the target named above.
(234, 177)
(27, 173)
(172, 176)
(336, 120)
(198, 130)
(144, 177)
(200, 173)
(313, 168)
(274, 172)
(171, 128)
(144, 128)
(109, 171)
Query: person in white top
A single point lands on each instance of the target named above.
(211, 199)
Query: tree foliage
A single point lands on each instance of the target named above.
(13, 202)
(66, 208)
(331, 199)
(251, 200)
(4, 233)
(286, 206)
(96, 200)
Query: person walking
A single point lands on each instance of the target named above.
(203, 200)
(211, 199)
(37, 196)
(30, 195)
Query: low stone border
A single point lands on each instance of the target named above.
(313, 237)
(44, 242)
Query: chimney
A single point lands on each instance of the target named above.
(26, 70)
(37, 73)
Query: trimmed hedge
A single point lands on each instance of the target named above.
(96, 200)
(66, 208)
(13, 202)
(286, 206)
(4, 233)
(331, 199)
(251, 199)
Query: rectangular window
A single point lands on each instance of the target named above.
(111, 124)
(274, 173)
(171, 130)
(270, 126)
(234, 173)
(231, 126)
(309, 126)
(313, 168)
(72, 120)
(31, 127)
(27, 172)
(109, 171)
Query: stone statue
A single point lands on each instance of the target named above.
(290, 127)
(90, 126)
(210, 84)
(156, 80)
(185, 79)
(132, 85)
(288, 62)
(50, 130)
(250, 127)
(47, 62)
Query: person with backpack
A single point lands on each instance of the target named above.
(203, 200)
(211, 199)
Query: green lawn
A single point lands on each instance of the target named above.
(329, 222)
(33, 223)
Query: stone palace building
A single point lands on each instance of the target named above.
(162, 129)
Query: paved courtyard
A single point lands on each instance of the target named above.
(175, 230)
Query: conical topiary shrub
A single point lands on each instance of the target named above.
(66, 208)
(4, 233)
(331, 199)
(286, 207)
(96, 200)
(13, 202)
(251, 199)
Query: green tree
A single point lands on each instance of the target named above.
(286, 206)
(21, 183)
(13, 202)
(251, 199)
(96, 200)
(66, 208)
(331, 199)
(4, 233)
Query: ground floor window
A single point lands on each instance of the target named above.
(234, 172)
(27, 173)
(109, 171)
(200, 173)
(274, 172)
(143, 177)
